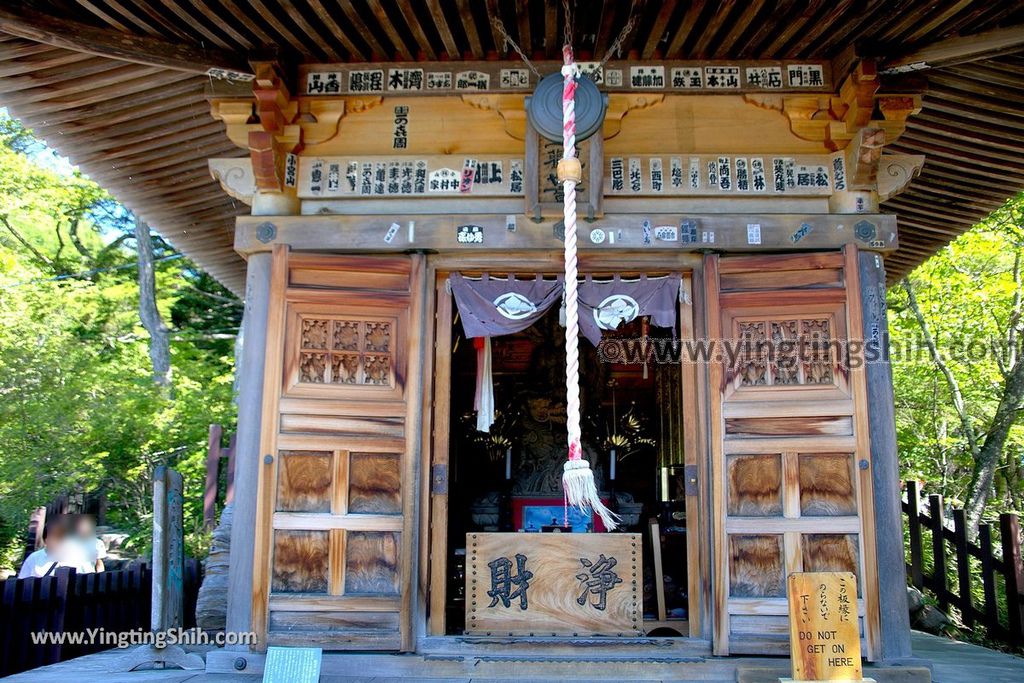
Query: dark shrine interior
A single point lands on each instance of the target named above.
(509, 479)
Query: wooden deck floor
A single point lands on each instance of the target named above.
(951, 662)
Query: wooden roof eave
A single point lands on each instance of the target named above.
(120, 120)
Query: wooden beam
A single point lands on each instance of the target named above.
(715, 232)
(469, 26)
(959, 50)
(443, 29)
(73, 35)
(654, 37)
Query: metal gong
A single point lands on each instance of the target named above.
(544, 107)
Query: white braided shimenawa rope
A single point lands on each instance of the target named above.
(577, 478)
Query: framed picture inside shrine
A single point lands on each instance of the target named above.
(534, 514)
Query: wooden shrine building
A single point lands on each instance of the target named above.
(347, 167)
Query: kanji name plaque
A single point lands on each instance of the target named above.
(554, 584)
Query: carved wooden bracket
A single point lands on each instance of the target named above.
(835, 120)
(235, 176)
(620, 104)
(512, 110)
(272, 124)
(895, 171)
(274, 107)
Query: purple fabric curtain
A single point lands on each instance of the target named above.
(604, 305)
(491, 307)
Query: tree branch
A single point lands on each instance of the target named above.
(943, 367)
(113, 245)
(77, 241)
(60, 243)
(1013, 324)
(28, 245)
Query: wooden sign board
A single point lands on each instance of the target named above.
(513, 77)
(554, 584)
(292, 665)
(823, 627)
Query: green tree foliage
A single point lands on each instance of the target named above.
(958, 398)
(78, 405)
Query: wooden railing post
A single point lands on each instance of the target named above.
(988, 578)
(914, 527)
(1013, 573)
(8, 652)
(229, 496)
(212, 472)
(963, 568)
(938, 527)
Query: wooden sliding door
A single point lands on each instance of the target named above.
(341, 419)
(790, 451)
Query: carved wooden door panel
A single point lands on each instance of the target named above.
(790, 448)
(334, 530)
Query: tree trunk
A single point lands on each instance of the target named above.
(980, 490)
(159, 340)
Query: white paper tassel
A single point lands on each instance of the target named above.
(483, 400)
(581, 492)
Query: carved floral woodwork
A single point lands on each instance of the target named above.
(784, 352)
(816, 338)
(752, 362)
(346, 351)
(784, 337)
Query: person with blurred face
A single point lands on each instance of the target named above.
(53, 553)
(91, 547)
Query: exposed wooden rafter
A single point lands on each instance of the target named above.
(959, 50)
(137, 49)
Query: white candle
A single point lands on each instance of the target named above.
(612, 473)
(508, 462)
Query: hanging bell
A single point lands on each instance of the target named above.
(544, 107)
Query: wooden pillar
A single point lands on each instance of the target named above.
(247, 455)
(167, 611)
(894, 617)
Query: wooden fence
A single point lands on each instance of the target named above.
(215, 452)
(1001, 574)
(66, 602)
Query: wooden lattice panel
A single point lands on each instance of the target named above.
(784, 352)
(346, 351)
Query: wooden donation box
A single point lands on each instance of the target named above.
(824, 628)
(554, 584)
